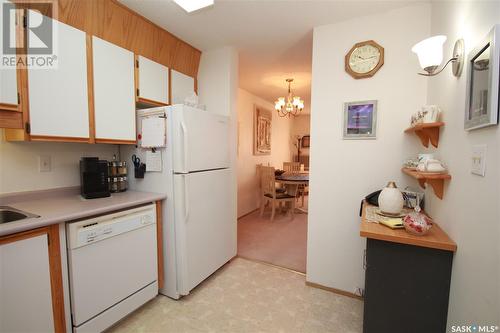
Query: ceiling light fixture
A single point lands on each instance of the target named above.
(430, 55)
(292, 106)
(194, 5)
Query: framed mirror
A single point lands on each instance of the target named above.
(483, 77)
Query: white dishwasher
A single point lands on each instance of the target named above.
(113, 268)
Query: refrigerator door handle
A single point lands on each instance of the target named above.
(186, 199)
(184, 145)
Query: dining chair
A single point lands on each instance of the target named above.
(294, 167)
(269, 193)
(291, 166)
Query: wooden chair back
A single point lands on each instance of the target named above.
(291, 166)
(267, 180)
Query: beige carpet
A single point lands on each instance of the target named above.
(245, 296)
(282, 242)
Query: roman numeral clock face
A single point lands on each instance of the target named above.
(364, 59)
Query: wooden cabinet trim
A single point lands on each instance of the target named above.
(58, 138)
(136, 77)
(55, 269)
(90, 88)
(159, 243)
(10, 107)
(56, 279)
(11, 119)
(116, 142)
(150, 102)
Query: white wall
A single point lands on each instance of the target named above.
(248, 182)
(19, 164)
(343, 171)
(218, 90)
(469, 212)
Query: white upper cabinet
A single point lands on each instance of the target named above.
(8, 77)
(182, 87)
(58, 97)
(114, 91)
(153, 81)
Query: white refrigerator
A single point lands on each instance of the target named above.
(199, 226)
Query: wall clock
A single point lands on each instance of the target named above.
(364, 59)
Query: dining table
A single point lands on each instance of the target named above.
(292, 181)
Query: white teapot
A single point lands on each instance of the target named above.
(390, 200)
(431, 165)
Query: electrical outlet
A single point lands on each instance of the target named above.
(478, 163)
(44, 163)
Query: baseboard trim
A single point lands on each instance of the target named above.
(269, 264)
(246, 214)
(333, 290)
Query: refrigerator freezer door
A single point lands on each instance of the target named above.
(200, 139)
(205, 226)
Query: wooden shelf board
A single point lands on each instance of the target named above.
(436, 238)
(420, 127)
(428, 132)
(435, 180)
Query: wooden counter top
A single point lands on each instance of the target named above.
(436, 238)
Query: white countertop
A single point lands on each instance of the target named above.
(64, 205)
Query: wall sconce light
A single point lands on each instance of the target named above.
(430, 55)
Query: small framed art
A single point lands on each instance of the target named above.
(360, 120)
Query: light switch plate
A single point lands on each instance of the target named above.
(44, 163)
(478, 163)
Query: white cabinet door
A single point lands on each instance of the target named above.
(182, 87)
(8, 77)
(25, 293)
(58, 96)
(153, 80)
(114, 92)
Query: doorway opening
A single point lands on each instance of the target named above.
(276, 178)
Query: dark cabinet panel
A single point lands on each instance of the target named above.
(406, 288)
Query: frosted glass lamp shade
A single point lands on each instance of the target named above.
(430, 51)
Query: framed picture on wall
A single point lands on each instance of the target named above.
(483, 77)
(360, 120)
(262, 131)
(306, 141)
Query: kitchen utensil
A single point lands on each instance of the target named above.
(391, 200)
(136, 160)
(140, 170)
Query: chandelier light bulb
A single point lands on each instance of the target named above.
(291, 105)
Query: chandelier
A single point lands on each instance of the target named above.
(292, 106)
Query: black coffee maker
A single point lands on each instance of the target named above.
(94, 178)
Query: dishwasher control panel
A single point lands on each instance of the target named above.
(85, 232)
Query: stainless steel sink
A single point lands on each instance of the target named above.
(9, 214)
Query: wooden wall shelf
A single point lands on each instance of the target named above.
(428, 132)
(435, 180)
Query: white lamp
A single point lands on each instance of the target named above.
(430, 55)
